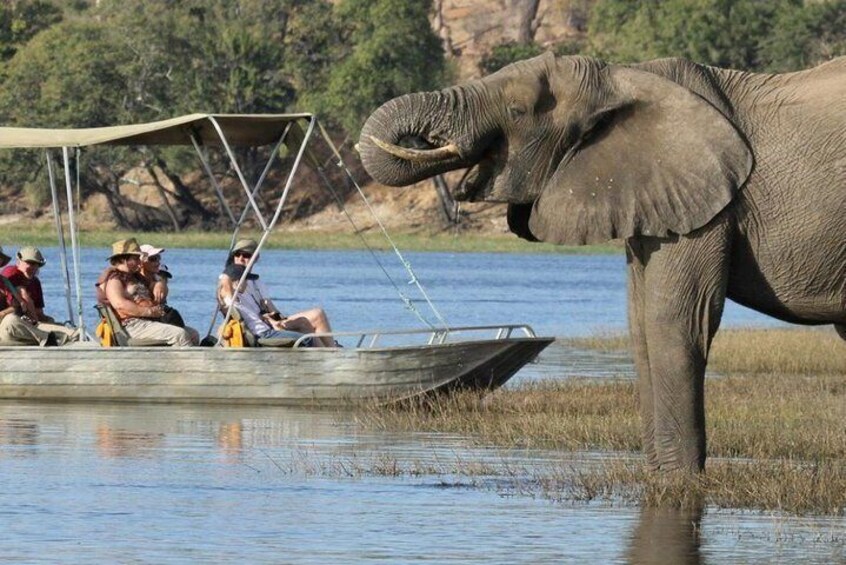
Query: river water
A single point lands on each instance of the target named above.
(184, 483)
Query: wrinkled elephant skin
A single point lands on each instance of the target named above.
(723, 184)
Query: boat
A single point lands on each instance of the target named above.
(384, 365)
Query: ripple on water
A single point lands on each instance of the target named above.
(267, 484)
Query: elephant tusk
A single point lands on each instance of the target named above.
(417, 155)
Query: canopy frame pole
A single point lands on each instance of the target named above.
(269, 227)
(260, 181)
(244, 212)
(238, 172)
(74, 243)
(60, 233)
(209, 173)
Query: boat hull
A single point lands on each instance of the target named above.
(263, 375)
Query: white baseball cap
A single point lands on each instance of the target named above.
(149, 250)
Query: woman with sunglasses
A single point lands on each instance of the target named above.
(257, 311)
(157, 280)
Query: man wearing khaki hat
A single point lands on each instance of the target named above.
(124, 289)
(15, 330)
(23, 275)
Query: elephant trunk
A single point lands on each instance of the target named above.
(416, 136)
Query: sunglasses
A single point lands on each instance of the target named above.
(33, 263)
(154, 259)
(244, 254)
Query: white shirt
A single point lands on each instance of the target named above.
(249, 304)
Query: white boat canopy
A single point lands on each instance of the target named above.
(202, 131)
(238, 129)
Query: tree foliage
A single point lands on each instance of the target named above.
(21, 20)
(387, 48)
(774, 35)
(81, 63)
(506, 53)
(85, 64)
(806, 35)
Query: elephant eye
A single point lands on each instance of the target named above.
(516, 111)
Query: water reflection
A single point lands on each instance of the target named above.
(121, 483)
(666, 536)
(18, 432)
(116, 442)
(230, 440)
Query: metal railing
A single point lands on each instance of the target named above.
(369, 339)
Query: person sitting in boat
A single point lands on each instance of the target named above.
(258, 312)
(123, 288)
(157, 279)
(15, 327)
(23, 275)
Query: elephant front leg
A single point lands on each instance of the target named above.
(683, 296)
(637, 334)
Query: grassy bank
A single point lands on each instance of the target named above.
(776, 429)
(739, 351)
(42, 234)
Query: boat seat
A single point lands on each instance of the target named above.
(236, 334)
(113, 333)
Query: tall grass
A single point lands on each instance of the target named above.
(764, 351)
(776, 425)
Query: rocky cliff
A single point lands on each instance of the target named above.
(471, 28)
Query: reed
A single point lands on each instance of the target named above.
(753, 417)
(755, 351)
(817, 487)
(776, 418)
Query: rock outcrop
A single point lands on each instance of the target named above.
(471, 28)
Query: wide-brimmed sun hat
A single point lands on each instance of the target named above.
(4, 259)
(149, 250)
(31, 255)
(124, 247)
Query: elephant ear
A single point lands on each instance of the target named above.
(660, 159)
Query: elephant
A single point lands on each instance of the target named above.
(721, 183)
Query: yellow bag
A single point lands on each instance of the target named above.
(232, 334)
(104, 332)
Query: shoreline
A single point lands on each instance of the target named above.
(42, 234)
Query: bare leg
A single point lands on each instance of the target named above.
(311, 321)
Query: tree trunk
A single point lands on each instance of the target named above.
(447, 203)
(163, 193)
(527, 12)
(183, 193)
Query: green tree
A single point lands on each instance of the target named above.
(806, 35)
(391, 50)
(506, 53)
(510, 52)
(67, 76)
(21, 20)
(725, 33)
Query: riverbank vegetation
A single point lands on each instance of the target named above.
(86, 63)
(776, 429)
(14, 236)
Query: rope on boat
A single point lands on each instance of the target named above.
(413, 280)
